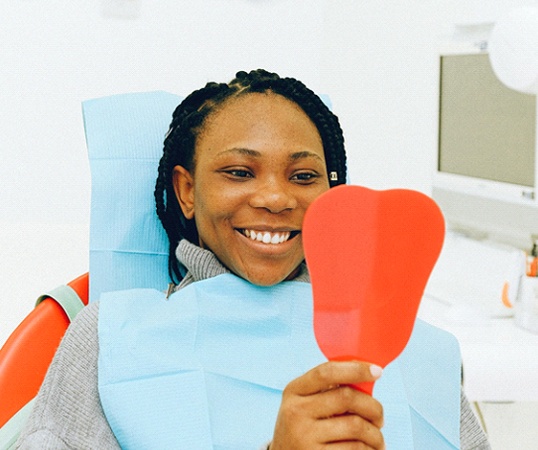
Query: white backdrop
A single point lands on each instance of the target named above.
(377, 62)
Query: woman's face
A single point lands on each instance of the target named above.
(259, 163)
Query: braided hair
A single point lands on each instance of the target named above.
(188, 120)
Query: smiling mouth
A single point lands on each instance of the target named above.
(268, 237)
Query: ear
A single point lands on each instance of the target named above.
(184, 189)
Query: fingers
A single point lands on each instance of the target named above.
(345, 400)
(349, 428)
(347, 431)
(333, 374)
(321, 409)
(324, 391)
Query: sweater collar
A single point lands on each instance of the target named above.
(202, 264)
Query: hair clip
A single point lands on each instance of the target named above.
(333, 176)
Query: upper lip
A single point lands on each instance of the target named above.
(268, 228)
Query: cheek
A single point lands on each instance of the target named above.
(215, 205)
(314, 195)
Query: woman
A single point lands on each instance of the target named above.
(242, 162)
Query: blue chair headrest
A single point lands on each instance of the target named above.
(124, 136)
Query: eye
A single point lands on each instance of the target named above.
(239, 173)
(305, 177)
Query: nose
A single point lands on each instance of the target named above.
(275, 196)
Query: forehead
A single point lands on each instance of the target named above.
(260, 119)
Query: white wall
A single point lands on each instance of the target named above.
(380, 65)
(58, 53)
(377, 62)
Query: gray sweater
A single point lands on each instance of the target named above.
(68, 413)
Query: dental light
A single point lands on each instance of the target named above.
(513, 49)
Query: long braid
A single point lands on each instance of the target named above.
(188, 120)
(179, 150)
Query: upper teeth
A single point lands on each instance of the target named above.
(266, 237)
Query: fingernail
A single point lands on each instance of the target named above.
(376, 371)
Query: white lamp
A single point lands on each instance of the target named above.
(513, 50)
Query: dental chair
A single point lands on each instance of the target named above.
(27, 353)
(128, 248)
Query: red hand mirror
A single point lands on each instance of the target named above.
(370, 254)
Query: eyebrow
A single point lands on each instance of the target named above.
(304, 154)
(256, 154)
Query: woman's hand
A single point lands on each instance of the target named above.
(320, 410)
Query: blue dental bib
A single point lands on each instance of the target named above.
(205, 369)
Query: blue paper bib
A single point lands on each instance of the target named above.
(205, 369)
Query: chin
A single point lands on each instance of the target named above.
(264, 282)
(263, 279)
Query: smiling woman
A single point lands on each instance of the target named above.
(262, 145)
(229, 359)
(259, 163)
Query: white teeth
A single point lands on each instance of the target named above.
(266, 237)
